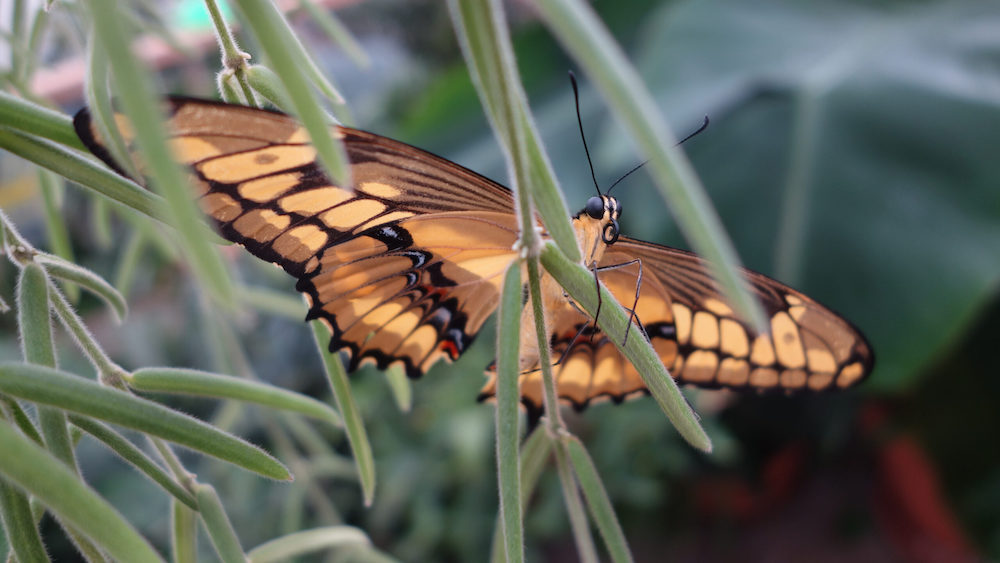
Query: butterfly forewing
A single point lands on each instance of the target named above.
(392, 286)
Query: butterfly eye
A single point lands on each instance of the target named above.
(595, 207)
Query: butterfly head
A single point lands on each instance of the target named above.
(605, 209)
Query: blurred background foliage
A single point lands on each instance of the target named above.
(851, 155)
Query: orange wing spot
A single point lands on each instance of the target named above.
(705, 332)
(269, 187)
(850, 374)
(734, 338)
(819, 381)
(682, 321)
(734, 372)
(762, 353)
(449, 347)
(701, 366)
(763, 377)
(793, 378)
(221, 206)
(787, 342)
(244, 166)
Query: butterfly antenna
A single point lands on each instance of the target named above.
(579, 121)
(638, 166)
(704, 125)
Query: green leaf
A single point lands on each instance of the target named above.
(402, 389)
(141, 106)
(291, 63)
(220, 529)
(43, 476)
(52, 189)
(37, 347)
(535, 453)
(33, 318)
(591, 45)
(597, 499)
(482, 32)
(206, 384)
(270, 301)
(62, 269)
(337, 32)
(19, 525)
(183, 533)
(507, 414)
(134, 456)
(83, 171)
(20, 114)
(579, 283)
(75, 394)
(582, 536)
(297, 544)
(353, 423)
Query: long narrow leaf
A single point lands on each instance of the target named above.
(206, 384)
(508, 395)
(598, 501)
(574, 508)
(353, 423)
(136, 457)
(27, 117)
(35, 326)
(33, 316)
(75, 394)
(43, 476)
(298, 544)
(220, 529)
(62, 269)
(141, 106)
(535, 453)
(482, 32)
(22, 534)
(579, 283)
(589, 42)
(291, 64)
(183, 533)
(83, 171)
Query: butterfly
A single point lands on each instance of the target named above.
(406, 267)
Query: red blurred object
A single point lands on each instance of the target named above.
(908, 502)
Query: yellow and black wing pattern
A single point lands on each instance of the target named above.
(696, 334)
(808, 347)
(404, 268)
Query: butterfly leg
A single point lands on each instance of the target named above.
(597, 286)
(635, 302)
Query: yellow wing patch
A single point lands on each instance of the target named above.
(403, 269)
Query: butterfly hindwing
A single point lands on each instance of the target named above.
(809, 346)
(404, 268)
(695, 333)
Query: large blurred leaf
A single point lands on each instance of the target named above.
(865, 136)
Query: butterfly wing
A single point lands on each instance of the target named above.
(404, 268)
(696, 334)
(809, 346)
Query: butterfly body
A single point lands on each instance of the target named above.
(406, 267)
